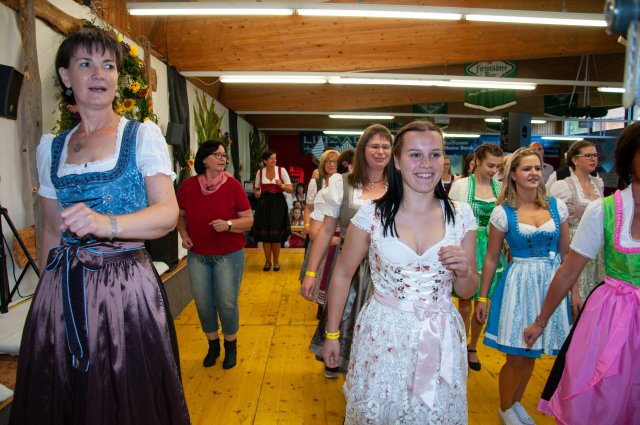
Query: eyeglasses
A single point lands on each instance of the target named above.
(384, 148)
(220, 155)
(331, 161)
(588, 155)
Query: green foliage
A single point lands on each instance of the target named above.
(208, 122)
(257, 145)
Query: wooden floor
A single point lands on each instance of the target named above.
(277, 380)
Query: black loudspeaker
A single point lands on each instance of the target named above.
(175, 132)
(164, 249)
(515, 130)
(10, 83)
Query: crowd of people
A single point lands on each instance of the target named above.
(394, 239)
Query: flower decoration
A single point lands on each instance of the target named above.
(132, 95)
(186, 165)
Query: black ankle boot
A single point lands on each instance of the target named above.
(212, 354)
(230, 353)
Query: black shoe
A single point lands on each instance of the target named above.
(212, 354)
(266, 268)
(276, 268)
(230, 354)
(474, 365)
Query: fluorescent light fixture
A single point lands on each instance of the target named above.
(361, 117)
(492, 120)
(538, 121)
(343, 132)
(611, 89)
(272, 79)
(562, 138)
(469, 83)
(539, 20)
(203, 8)
(461, 136)
(367, 11)
(376, 11)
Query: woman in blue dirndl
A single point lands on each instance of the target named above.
(536, 229)
(99, 344)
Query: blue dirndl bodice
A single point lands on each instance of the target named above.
(117, 191)
(538, 244)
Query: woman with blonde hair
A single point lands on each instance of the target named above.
(536, 229)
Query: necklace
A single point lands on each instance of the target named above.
(79, 144)
(373, 184)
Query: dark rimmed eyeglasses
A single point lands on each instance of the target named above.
(220, 155)
(588, 155)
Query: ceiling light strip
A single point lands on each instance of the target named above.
(361, 117)
(536, 20)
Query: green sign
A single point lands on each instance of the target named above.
(490, 99)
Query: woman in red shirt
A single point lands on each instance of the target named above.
(214, 213)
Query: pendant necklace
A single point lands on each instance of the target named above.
(373, 184)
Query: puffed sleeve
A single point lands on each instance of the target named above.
(563, 210)
(257, 182)
(319, 206)
(468, 219)
(560, 190)
(364, 217)
(285, 176)
(43, 158)
(499, 219)
(589, 237)
(152, 154)
(312, 191)
(333, 196)
(459, 189)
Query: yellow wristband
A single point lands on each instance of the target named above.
(483, 299)
(307, 225)
(308, 273)
(332, 335)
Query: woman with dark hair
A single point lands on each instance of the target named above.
(577, 191)
(300, 194)
(343, 198)
(468, 166)
(408, 359)
(99, 346)
(596, 377)
(271, 226)
(447, 177)
(480, 190)
(214, 214)
(536, 229)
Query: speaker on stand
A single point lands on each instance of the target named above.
(10, 83)
(515, 130)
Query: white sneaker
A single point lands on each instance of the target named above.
(508, 417)
(523, 415)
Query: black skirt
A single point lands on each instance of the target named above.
(271, 220)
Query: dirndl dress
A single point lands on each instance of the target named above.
(271, 219)
(99, 345)
(360, 290)
(522, 289)
(596, 377)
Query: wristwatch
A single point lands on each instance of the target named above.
(230, 224)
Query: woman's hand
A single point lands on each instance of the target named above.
(219, 225)
(481, 312)
(82, 221)
(331, 352)
(187, 243)
(306, 290)
(531, 334)
(454, 258)
(576, 304)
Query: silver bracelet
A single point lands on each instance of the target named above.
(114, 226)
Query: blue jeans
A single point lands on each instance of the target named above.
(215, 285)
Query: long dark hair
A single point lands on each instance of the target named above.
(390, 202)
(626, 148)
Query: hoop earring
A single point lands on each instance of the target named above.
(68, 92)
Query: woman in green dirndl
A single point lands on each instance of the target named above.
(480, 190)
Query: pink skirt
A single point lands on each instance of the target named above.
(600, 381)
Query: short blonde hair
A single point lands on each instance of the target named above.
(509, 193)
(325, 156)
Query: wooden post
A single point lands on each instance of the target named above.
(51, 15)
(30, 113)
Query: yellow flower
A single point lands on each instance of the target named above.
(133, 50)
(128, 104)
(119, 108)
(119, 38)
(190, 163)
(134, 87)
